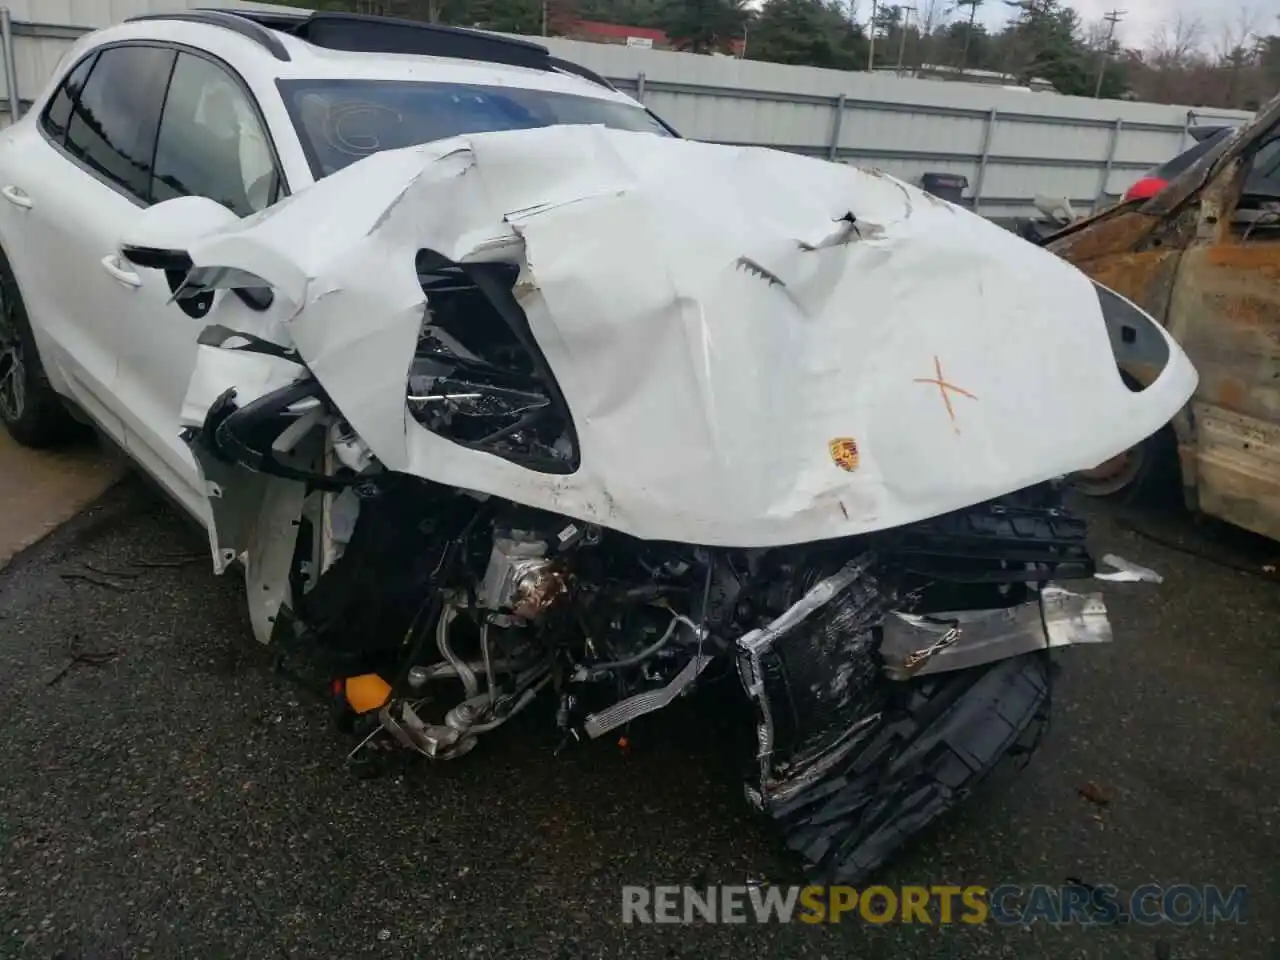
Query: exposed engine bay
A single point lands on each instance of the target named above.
(465, 607)
(853, 653)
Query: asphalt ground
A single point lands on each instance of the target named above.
(165, 793)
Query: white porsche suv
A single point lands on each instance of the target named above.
(241, 108)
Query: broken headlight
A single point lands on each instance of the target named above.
(478, 379)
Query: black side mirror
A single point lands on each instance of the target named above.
(154, 259)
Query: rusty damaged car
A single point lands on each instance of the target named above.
(1202, 256)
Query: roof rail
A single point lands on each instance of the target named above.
(358, 33)
(244, 26)
(577, 69)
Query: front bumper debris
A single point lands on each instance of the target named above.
(850, 762)
(915, 646)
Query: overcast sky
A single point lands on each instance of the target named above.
(1142, 17)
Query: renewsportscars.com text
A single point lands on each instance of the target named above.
(1149, 904)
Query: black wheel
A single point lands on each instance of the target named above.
(1147, 471)
(936, 740)
(31, 411)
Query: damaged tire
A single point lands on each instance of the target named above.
(936, 740)
(30, 410)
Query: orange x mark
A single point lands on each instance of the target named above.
(943, 386)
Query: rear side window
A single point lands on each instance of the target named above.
(112, 129)
(58, 113)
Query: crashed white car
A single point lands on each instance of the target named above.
(494, 387)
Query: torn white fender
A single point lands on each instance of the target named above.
(756, 348)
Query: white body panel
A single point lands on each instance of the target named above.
(712, 322)
(714, 325)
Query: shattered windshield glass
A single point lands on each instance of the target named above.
(341, 121)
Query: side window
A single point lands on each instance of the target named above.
(112, 129)
(1263, 181)
(211, 143)
(58, 113)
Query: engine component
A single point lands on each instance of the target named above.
(600, 669)
(439, 742)
(624, 711)
(461, 669)
(520, 579)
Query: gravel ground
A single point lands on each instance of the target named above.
(165, 793)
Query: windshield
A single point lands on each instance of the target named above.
(340, 121)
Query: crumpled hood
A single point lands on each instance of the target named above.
(757, 348)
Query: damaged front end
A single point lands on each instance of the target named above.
(889, 672)
(489, 419)
(959, 615)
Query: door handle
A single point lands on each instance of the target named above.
(110, 263)
(16, 196)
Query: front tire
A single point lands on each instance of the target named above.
(30, 409)
(1146, 472)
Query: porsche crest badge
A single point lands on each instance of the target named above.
(844, 453)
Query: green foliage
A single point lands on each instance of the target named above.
(806, 32)
(701, 26)
(631, 13)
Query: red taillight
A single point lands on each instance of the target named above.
(1144, 188)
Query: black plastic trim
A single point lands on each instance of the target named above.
(578, 70)
(360, 33)
(1136, 338)
(245, 26)
(226, 434)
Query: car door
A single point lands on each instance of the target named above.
(79, 176)
(1225, 311)
(211, 142)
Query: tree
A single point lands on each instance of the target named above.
(505, 16)
(1269, 61)
(954, 42)
(807, 32)
(929, 15)
(1044, 41)
(701, 26)
(1236, 49)
(1174, 41)
(632, 13)
(972, 6)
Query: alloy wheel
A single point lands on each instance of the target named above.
(13, 369)
(1110, 478)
